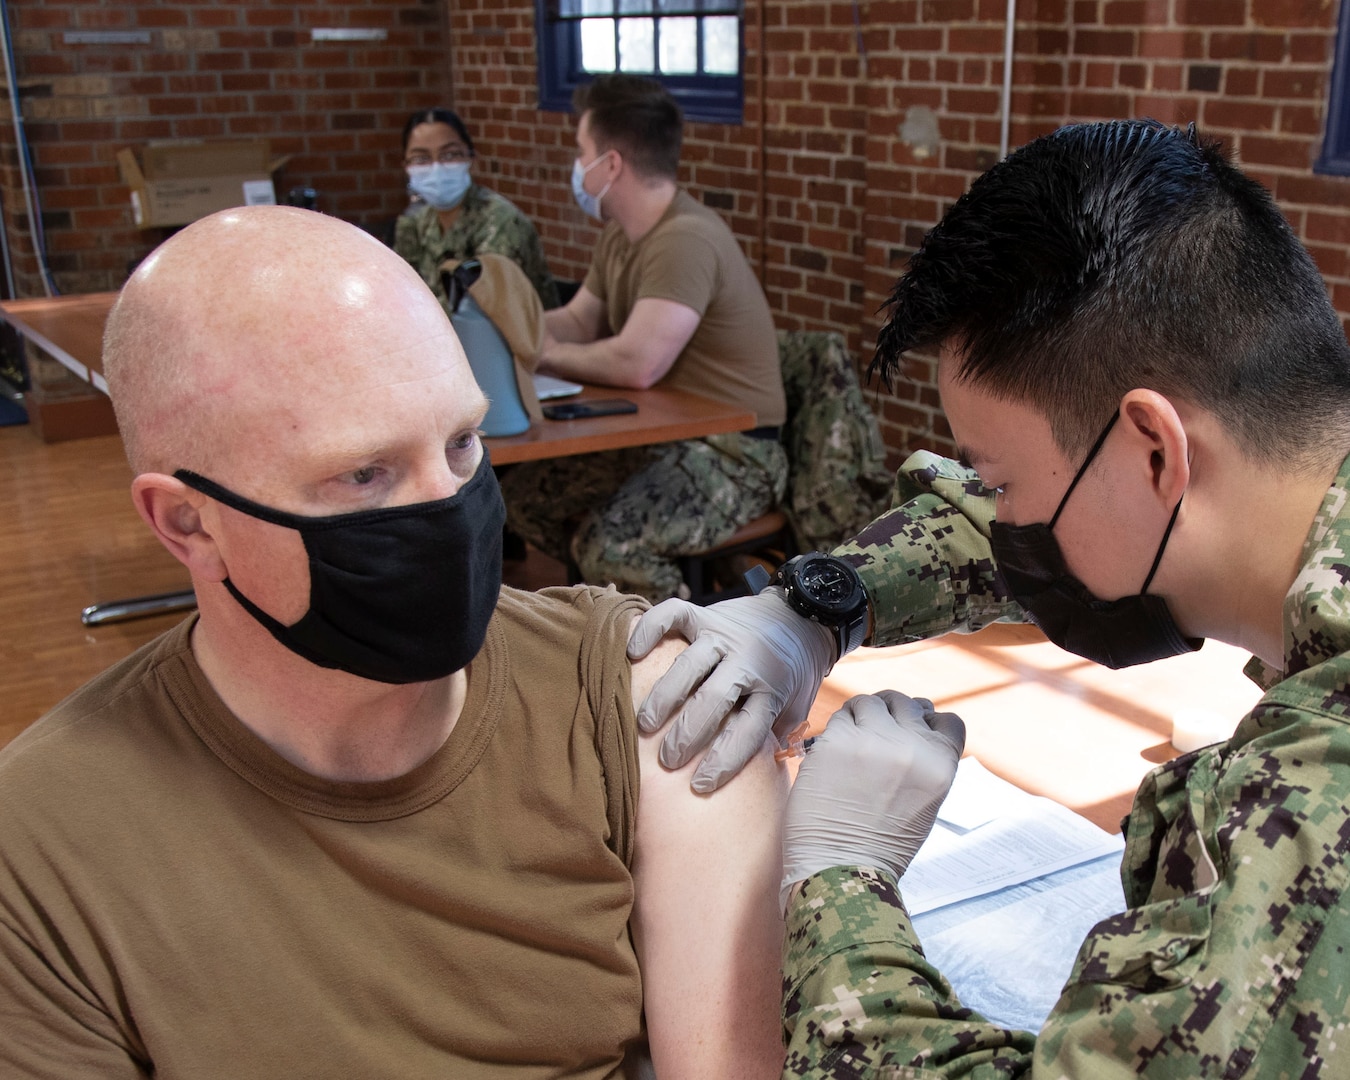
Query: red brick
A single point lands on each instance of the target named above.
(245, 81)
(201, 128)
(192, 84)
(1089, 105)
(161, 17)
(1168, 77)
(1269, 48)
(1311, 48)
(1104, 43)
(1241, 81)
(1172, 44)
(1300, 120)
(1100, 76)
(1281, 152)
(946, 11)
(1045, 42)
(962, 39)
(974, 102)
(1329, 228)
(1211, 12)
(1293, 84)
(174, 106)
(1170, 110)
(1294, 13)
(1134, 76)
(1238, 115)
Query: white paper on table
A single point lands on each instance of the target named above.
(1008, 954)
(1022, 837)
(549, 387)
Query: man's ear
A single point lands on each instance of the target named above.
(1153, 425)
(173, 512)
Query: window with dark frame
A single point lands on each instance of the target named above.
(1335, 156)
(692, 46)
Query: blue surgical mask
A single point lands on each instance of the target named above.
(441, 184)
(589, 203)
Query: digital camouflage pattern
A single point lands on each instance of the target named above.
(926, 564)
(838, 480)
(1231, 960)
(487, 222)
(622, 517)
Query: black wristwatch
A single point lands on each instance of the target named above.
(828, 591)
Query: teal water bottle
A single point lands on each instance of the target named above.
(493, 366)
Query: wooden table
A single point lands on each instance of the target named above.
(664, 415)
(1050, 722)
(70, 329)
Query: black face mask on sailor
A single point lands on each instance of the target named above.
(401, 594)
(1118, 633)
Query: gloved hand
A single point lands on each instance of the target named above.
(868, 792)
(760, 664)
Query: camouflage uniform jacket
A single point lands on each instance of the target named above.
(926, 563)
(487, 222)
(1231, 959)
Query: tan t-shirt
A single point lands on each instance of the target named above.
(691, 257)
(175, 896)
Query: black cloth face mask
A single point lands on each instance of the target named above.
(1118, 633)
(401, 594)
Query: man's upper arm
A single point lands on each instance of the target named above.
(705, 919)
(581, 319)
(653, 338)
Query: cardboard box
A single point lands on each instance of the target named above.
(173, 183)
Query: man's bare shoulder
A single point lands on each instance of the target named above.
(655, 664)
(771, 777)
(706, 920)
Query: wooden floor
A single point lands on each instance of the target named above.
(1049, 721)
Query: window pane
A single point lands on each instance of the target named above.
(679, 46)
(721, 45)
(634, 7)
(721, 5)
(597, 45)
(597, 7)
(637, 45)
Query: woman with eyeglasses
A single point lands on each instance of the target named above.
(456, 218)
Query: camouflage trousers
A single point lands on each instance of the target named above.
(623, 517)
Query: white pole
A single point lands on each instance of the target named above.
(1007, 78)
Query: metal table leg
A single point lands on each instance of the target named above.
(137, 607)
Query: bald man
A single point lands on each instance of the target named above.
(366, 813)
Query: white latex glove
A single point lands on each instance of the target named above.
(759, 663)
(868, 792)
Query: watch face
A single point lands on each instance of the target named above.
(827, 581)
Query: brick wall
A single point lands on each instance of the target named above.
(862, 123)
(226, 69)
(858, 134)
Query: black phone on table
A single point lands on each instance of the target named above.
(578, 410)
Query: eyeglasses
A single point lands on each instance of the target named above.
(451, 155)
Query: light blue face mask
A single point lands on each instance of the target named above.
(589, 203)
(441, 184)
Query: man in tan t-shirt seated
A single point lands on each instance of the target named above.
(361, 815)
(669, 300)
